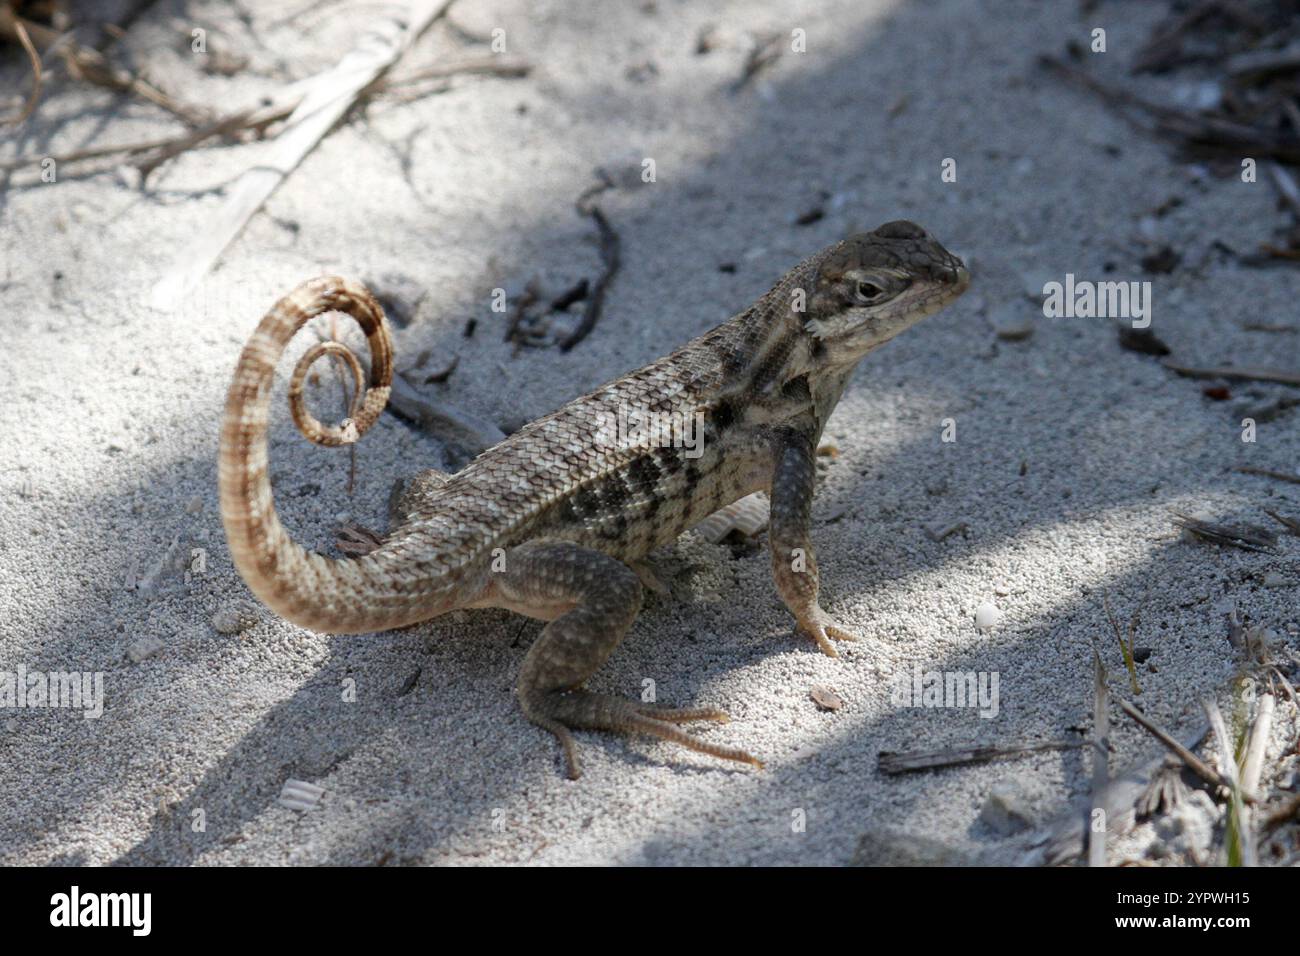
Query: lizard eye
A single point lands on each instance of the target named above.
(869, 291)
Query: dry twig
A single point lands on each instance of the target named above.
(1268, 473)
(1193, 762)
(1291, 524)
(1253, 767)
(1100, 761)
(763, 51)
(1245, 537)
(610, 262)
(1241, 843)
(11, 23)
(896, 763)
(1281, 376)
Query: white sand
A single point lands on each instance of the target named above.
(111, 416)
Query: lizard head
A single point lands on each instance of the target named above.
(874, 285)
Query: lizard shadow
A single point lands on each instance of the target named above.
(830, 804)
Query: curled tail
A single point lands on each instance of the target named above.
(306, 588)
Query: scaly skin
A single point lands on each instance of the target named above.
(550, 522)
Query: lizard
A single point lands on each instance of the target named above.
(553, 521)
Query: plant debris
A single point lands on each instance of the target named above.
(1269, 473)
(463, 434)
(939, 530)
(1141, 340)
(764, 49)
(1246, 537)
(595, 297)
(1245, 374)
(1292, 524)
(1183, 753)
(1246, 91)
(1101, 751)
(895, 763)
(1125, 648)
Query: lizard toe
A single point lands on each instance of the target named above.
(682, 715)
(819, 627)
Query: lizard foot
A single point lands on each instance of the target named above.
(602, 596)
(821, 629)
(356, 541)
(581, 709)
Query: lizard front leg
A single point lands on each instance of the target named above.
(591, 600)
(794, 566)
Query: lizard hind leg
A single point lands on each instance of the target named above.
(404, 501)
(408, 494)
(591, 600)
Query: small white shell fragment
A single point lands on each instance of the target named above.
(300, 795)
(987, 616)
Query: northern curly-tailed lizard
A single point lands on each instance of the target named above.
(550, 522)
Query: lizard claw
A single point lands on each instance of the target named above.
(819, 627)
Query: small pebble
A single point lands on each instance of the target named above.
(236, 616)
(942, 529)
(1006, 811)
(143, 649)
(1012, 322)
(825, 698)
